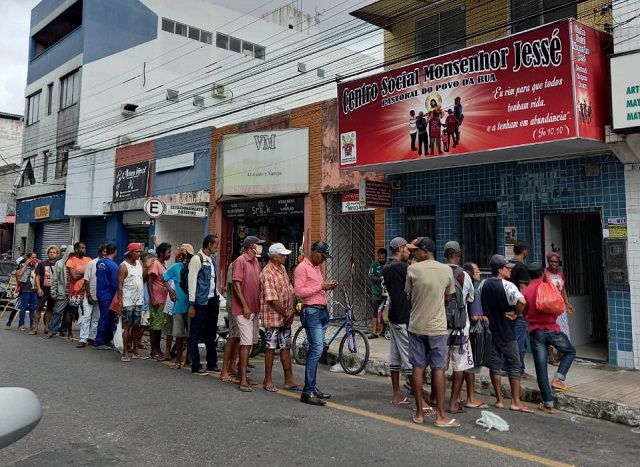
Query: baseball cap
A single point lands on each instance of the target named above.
(278, 249)
(423, 243)
(499, 261)
(536, 268)
(133, 247)
(188, 248)
(452, 245)
(251, 240)
(322, 248)
(63, 247)
(397, 243)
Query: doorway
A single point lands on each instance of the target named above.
(577, 237)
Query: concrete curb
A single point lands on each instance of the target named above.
(574, 403)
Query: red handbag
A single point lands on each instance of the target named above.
(115, 305)
(549, 300)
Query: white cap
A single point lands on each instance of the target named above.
(278, 249)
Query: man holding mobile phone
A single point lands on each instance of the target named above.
(311, 287)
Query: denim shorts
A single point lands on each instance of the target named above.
(428, 350)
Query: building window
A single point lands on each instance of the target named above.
(168, 25)
(441, 33)
(45, 166)
(194, 33)
(181, 29)
(69, 90)
(49, 98)
(33, 108)
(222, 41)
(420, 221)
(259, 52)
(534, 13)
(479, 231)
(28, 178)
(206, 37)
(62, 159)
(235, 44)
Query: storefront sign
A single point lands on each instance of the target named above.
(131, 181)
(510, 237)
(263, 208)
(42, 212)
(514, 91)
(625, 90)
(184, 210)
(351, 202)
(153, 207)
(263, 163)
(617, 227)
(374, 194)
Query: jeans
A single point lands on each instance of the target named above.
(204, 327)
(106, 323)
(540, 340)
(57, 317)
(28, 301)
(315, 321)
(522, 333)
(89, 321)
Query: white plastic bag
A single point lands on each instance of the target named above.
(490, 420)
(117, 337)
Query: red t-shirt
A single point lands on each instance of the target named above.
(158, 290)
(451, 122)
(536, 319)
(246, 271)
(77, 265)
(434, 127)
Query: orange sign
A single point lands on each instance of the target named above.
(42, 212)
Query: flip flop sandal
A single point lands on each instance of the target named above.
(176, 367)
(252, 382)
(245, 388)
(270, 388)
(417, 420)
(428, 411)
(453, 423)
(140, 357)
(33, 333)
(460, 410)
(545, 409)
(298, 388)
(522, 409)
(479, 406)
(402, 402)
(125, 359)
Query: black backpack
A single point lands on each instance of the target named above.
(184, 275)
(456, 309)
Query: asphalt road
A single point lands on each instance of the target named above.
(99, 411)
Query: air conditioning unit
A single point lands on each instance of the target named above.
(172, 95)
(302, 68)
(128, 110)
(218, 91)
(320, 72)
(124, 140)
(198, 101)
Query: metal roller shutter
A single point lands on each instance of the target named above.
(93, 232)
(51, 233)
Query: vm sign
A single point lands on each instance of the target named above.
(265, 142)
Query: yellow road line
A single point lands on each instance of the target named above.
(438, 432)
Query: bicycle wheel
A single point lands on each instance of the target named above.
(354, 352)
(300, 346)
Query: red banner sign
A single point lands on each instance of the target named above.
(542, 85)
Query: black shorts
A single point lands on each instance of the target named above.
(46, 301)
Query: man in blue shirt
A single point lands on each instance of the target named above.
(180, 299)
(106, 288)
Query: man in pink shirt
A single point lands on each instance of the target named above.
(311, 287)
(543, 332)
(246, 302)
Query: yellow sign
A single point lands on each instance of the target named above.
(42, 212)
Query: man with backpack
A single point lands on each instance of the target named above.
(430, 286)
(460, 355)
(203, 305)
(543, 332)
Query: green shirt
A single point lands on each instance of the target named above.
(375, 274)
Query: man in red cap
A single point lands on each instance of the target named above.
(131, 298)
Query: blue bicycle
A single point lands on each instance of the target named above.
(353, 353)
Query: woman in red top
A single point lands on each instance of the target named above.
(543, 333)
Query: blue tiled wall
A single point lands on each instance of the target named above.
(519, 188)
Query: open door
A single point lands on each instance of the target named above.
(577, 237)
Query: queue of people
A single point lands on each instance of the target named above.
(431, 307)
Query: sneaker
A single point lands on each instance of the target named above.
(23, 328)
(372, 336)
(200, 372)
(103, 347)
(387, 335)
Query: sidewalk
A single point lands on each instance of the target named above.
(597, 390)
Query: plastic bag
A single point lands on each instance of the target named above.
(117, 336)
(549, 299)
(490, 420)
(480, 337)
